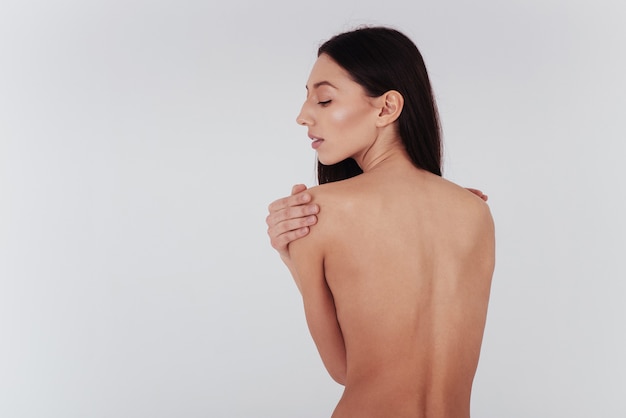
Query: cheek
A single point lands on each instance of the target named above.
(348, 117)
(341, 115)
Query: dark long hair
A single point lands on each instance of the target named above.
(382, 59)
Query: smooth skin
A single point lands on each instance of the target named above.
(290, 217)
(395, 275)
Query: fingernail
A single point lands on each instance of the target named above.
(310, 219)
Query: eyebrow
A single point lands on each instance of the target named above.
(321, 83)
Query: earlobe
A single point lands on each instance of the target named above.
(391, 108)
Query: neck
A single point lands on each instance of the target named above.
(375, 157)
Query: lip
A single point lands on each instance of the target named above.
(316, 141)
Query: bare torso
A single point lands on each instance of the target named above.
(408, 258)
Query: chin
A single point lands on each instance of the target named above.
(327, 160)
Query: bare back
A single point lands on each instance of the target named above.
(408, 258)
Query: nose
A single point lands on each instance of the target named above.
(304, 118)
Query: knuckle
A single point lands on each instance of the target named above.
(290, 213)
(295, 200)
(302, 211)
(295, 224)
(271, 221)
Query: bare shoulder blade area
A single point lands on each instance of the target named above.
(409, 261)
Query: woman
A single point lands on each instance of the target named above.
(395, 276)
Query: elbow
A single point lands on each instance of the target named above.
(340, 379)
(338, 374)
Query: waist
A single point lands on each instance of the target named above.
(377, 400)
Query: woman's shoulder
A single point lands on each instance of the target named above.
(330, 198)
(462, 199)
(340, 194)
(340, 202)
(464, 213)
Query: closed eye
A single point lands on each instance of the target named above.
(326, 103)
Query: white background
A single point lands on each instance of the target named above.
(141, 142)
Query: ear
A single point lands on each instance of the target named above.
(391, 104)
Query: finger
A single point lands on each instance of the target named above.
(476, 192)
(293, 200)
(297, 188)
(290, 216)
(282, 224)
(292, 225)
(281, 242)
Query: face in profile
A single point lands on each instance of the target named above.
(339, 115)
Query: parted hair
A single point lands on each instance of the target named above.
(381, 59)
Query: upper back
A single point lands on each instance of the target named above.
(389, 215)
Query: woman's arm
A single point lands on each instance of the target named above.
(308, 271)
